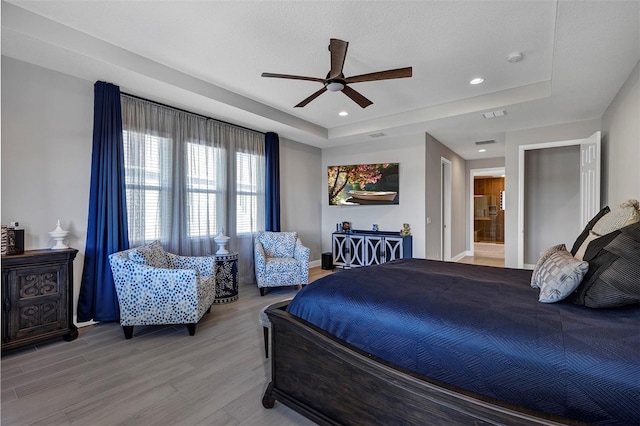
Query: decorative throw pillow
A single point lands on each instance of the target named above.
(278, 244)
(151, 255)
(583, 248)
(535, 276)
(560, 275)
(628, 213)
(585, 232)
(613, 278)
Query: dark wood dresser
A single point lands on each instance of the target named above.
(37, 297)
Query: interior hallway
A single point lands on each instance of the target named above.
(488, 254)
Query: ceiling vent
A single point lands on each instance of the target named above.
(493, 114)
(377, 135)
(485, 142)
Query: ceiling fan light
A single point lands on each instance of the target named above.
(334, 86)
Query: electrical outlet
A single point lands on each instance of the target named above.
(428, 220)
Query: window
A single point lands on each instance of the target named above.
(204, 191)
(247, 193)
(188, 177)
(146, 177)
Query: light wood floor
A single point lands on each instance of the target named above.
(162, 376)
(488, 254)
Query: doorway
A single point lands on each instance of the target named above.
(487, 214)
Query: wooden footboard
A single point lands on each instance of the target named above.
(332, 383)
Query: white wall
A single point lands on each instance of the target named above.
(409, 151)
(552, 199)
(47, 126)
(459, 199)
(301, 185)
(621, 144)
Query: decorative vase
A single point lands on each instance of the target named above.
(58, 236)
(222, 240)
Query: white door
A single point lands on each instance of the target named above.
(589, 178)
(445, 233)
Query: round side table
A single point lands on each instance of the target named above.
(226, 273)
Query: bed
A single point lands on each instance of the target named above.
(416, 341)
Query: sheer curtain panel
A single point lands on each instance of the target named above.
(189, 177)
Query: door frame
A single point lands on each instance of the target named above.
(445, 209)
(472, 174)
(521, 165)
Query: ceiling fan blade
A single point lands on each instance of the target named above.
(381, 75)
(292, 77)
(338, 50)
(312, 97)
(356, 97)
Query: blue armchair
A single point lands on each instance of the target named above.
(280, 260)
(155, 287)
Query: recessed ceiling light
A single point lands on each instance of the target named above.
(482, 150)
(477, 80)
(343, 113)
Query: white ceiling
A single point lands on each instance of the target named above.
(207, 57)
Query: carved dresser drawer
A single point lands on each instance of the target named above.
(37, 297)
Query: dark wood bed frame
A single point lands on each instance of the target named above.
(332, 383)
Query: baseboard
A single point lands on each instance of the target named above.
(83, 324)
(315, 263)
(529, 266)
(461, 255)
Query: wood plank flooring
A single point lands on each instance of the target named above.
(162, 376)
(487, 254)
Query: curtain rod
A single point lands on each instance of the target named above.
(189, 112)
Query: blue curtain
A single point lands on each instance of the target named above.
(107, 225)
(272, 182)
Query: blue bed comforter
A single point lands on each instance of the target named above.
(482, 329)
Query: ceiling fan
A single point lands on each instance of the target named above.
(336, 82)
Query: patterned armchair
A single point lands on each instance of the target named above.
(280, 260)
(155, 287)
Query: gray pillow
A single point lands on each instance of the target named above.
(613, 278)
(535, 276)
(560, 275)
(151, 255)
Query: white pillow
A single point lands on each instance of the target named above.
(535, 282)
(560, 275)
(628, 213)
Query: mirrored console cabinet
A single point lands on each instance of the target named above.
(365, 248)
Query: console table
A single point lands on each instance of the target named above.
(37, 297)
(364, 248)
(226, 273)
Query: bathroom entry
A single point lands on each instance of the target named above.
(488, 209)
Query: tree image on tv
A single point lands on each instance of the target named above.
(361, 184)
